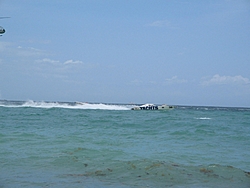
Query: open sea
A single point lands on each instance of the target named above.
(61, 145)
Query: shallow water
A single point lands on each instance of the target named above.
(49, 144)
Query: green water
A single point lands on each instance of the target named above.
(51, 145)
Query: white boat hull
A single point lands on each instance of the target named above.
(152, 107)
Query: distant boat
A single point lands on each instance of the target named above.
(152, 107)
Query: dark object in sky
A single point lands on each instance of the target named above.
(2, 30)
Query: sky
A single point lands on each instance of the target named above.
(126, 51)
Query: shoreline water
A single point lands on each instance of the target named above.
(51, 144)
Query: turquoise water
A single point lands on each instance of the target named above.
(50, 144)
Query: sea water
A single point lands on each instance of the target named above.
(52, 144)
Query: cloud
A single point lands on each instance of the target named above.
(55, 69)
(175, 80)
(12, 51)
(47, 60)
(29, 51)
(72, 62)
(56, 62)
(222, 80)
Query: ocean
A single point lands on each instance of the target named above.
(66, 144)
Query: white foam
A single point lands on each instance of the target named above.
(101, 106)
(203, 118)
(77, 105)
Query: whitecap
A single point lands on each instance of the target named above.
(203, 118)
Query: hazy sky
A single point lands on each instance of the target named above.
(141, 51)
